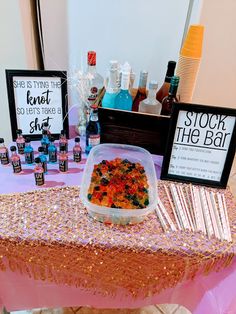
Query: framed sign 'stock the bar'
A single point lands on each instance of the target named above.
(201, 144)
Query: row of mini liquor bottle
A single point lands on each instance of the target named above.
(24, 147)
(120, 94)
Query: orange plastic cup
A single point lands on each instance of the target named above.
(192, 46)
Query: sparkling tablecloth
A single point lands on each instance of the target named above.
(18, 291)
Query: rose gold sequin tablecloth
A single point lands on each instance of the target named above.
(48, 235)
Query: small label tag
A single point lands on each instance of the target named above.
(4, 158)
(63, 165)
(29, 158)
(94, 140)
(52, 156)
(16, 166)
(77, 157)
(21, 148)
(39, 178)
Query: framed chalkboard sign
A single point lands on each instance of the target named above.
(201, 145)
(36, 97)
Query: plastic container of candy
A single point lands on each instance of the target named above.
(119, 215)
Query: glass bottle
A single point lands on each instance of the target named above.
(63, 141)
(150, 104)
(171, 98)
(15, 160)
(96, 80)
(112, 90)
(20, 142)
(92, 130)
(43, 158)
(45, 142)
(63, 160)
(77, 151)
(124, 100)
(164, 90)
(29, 152)
(46, 128)
(52, 151)
(38, 172)
(4, 156)
(142, 93)
(132, 90)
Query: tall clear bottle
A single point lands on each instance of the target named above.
(112, 90)
(20, 142)
(150, 104)
(92, 130)
(4, 156)
(96, 80)
(142, 93)
(164, 90)
(168, 101)
(124, 100)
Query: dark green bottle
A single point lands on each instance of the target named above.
(168, 101)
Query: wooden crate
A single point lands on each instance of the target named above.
(134, 128)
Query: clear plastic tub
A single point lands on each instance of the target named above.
(119, 215)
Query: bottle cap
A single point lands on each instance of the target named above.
(41, 149)
(1, 140)
(13, 148)
(126, 67)
(45, 124)
(153, 85)
(170, 71)
(19, 131)
(91, 58)
(143, 78)
(37, 160)
(63, 132)
(77, 139)
(113, 65)
(63, 148)
(45, 132)
(27, 140)
(51, 139)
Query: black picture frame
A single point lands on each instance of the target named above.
(172, 157)
(28, 75)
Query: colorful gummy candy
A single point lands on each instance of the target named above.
(119, 184)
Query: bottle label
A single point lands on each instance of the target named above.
(45, 166)
(21, 148)
(64, 145)
(53, 156)
(94, 140)
(4, 158)
(93, 94)
(45, 146)
(29, 158)
(39, 178)
(16, 166)
(77, 156)
(63, 165)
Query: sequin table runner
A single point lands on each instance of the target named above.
(48, 235)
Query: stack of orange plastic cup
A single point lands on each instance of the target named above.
(189, 61)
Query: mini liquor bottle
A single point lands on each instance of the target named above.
(20, 142)
(45, 142)
(15, 160)
(43, 159)
(132, 90)
(63, 141)
(124, 100)
(142, 93)
(92, 130)
(38, 172)
(77, 150)
(168, 101)
(4, 156)
(112, 89)
(164, 90)
(29, 152)
(150, 104)
(96, 80)
(63, 160)
(46, 128)
(52, 151)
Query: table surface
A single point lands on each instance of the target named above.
(214, 292)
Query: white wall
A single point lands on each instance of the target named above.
(16, 51)
(216, 81)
